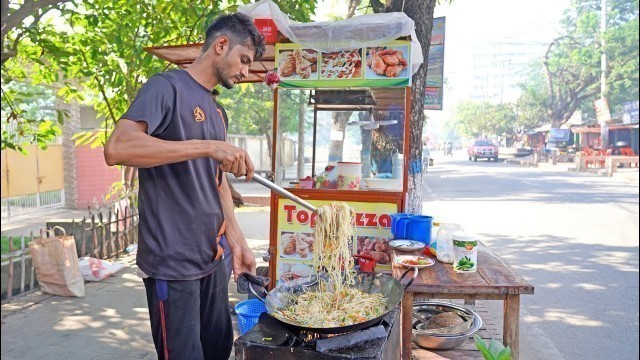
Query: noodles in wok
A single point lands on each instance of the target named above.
(334, 302)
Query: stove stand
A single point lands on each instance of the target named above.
(271, 340)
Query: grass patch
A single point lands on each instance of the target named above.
(16, 243)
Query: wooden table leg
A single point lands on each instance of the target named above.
(406, 308)
(511, 326)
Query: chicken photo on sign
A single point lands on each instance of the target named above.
(298, 64)
(377, 247)
(296, 245)
(387, 62)
(340, 65)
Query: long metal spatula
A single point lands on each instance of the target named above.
(262, 181)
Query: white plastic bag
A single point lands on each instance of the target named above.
(93, 269)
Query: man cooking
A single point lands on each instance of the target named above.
(175, 133)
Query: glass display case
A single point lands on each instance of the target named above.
(341, 140)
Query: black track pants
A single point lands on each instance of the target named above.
(190, 319)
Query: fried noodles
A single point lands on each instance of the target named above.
(334, 302)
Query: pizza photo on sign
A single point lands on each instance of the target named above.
(298, 64)
(340, 65)
(387, 62)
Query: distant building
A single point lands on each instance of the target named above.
(499, 67)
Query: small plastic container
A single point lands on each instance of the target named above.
(349, 174)
(306, 183)
(366, 263)
(444, 239)
(248, 313)
(397, 162)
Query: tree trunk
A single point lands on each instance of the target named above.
(302, 109)
(340, 119)
(69, 129)
(421, 11)
(386, 141)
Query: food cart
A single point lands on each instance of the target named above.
(366, 72)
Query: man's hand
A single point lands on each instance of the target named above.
(243, 261)
(233, 159)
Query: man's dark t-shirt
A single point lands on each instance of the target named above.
(179, 203)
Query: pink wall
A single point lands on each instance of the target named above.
(94, 176)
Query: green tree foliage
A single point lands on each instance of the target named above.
(34, 106)
(250, 110)
(571, 65)
(528, 110)
(481, 119)
(93, 50)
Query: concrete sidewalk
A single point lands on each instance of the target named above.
(628, 175)
(110, 322)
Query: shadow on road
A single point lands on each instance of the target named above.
(602, 275)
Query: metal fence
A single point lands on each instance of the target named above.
(102, 234)
(31, 203)
(13, 131)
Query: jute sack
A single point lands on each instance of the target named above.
(55, 259)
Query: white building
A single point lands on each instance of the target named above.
(499, 67)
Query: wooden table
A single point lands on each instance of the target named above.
(494, 280)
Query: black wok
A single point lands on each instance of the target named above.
(285, 294)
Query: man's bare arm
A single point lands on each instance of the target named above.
(130, 145)
(243, 258)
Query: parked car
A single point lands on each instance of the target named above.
(482, 148)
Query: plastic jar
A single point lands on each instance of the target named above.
(397, 164)
(349, 174)
(444, 239)
(465, 253)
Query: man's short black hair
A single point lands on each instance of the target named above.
(238, 27)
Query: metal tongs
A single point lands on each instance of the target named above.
(262, 181)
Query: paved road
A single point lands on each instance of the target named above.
(574, 237)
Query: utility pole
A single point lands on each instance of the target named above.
(604, 129)
(603, 56)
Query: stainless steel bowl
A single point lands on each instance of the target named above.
(430, 340)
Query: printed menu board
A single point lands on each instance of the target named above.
(435, 67)
(385, 65)
(295, 240)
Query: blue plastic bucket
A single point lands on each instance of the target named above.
(248, 312)
(398, 230)
(419, 228)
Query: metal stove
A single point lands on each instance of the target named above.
(270, 339)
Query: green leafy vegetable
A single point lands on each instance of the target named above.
(495, 350)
